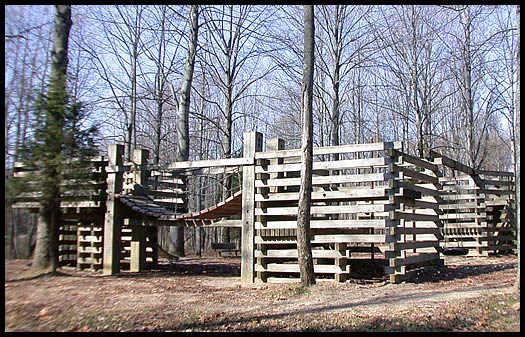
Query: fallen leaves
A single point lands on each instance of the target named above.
(203, 299)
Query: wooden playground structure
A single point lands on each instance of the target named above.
(372, 205)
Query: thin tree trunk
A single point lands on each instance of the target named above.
(304, 248)
(517, 150)
(183, 149)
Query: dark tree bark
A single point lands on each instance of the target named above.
(304, 248)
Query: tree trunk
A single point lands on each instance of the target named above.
(183, 149)
(304, 248)
(336, 65)
(517, 150)
(468, 104)
(50, 214)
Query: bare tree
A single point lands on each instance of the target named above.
(517, 152)
(183, 148)
(232, 53)
(304, 248)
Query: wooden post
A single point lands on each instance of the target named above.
(140, 159)
(394, 238)
(138, 249)
(138, 233)
(113, 216)
(252, 143)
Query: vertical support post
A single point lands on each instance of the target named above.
(138, 249)
(140, 159)
(341, 262)
(113, 216)
(138, 233)
(252, 143)
(393, 238)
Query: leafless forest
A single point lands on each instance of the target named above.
(435, 77)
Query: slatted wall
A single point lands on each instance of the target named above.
(478, 214)
(368, 202)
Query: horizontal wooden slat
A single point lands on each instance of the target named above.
(330, 165)
(416, 161)
(332, 238)
(343, 194)
(417, 188)
(292, 253)
(340, 209)
(415, 244)
(319, 224)
(330, 150)
(409, 172)
(397, 262)
(210, 163)
(323, 180)
(294, 268)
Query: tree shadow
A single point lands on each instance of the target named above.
(189, 267)
(248, 322)
(38, 276)
(456, 272)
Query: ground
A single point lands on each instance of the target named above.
(205, 294)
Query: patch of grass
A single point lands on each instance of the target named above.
(499, 314)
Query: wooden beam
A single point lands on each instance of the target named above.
(252, 144)
(113, 216)
(211, 163)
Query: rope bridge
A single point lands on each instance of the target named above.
(146, 206)
(163, 192)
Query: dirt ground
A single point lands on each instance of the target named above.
(205, 294)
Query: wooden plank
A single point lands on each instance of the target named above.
(413, 217)
(226, 223)
(416, 161)
(496, 173)
(417, 175)
(498, 182)
(331, 149)
(414, 245)
(416, 230)
(292, 253)
(462, 216)
(329, 165)
(324, 180)
(281, 280)
(339, 209)
(425, 257)
(319, 224)
(294, 268)
(211, 163)
(444, 160)
(346, 194)
(331, 238)
(416, 188)
(89, 250)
